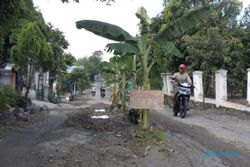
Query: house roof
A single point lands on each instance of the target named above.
(9, 67)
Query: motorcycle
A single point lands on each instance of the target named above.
(102, 93)
(182, 99)
(93, 93)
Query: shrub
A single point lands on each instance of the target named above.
(9, 96)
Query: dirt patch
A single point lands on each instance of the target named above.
(82, 140)
(85, 141)
(88, 118)
(117, 125)
(35, 121)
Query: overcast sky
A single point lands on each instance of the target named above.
(83, 43)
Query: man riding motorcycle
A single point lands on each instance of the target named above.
(102, 91)
(179, 78)
(93, 91)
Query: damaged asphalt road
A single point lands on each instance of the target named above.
(201, 138)
(198, 140)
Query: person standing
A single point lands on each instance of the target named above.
(54, 88)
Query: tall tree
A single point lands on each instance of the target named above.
(94, 62)
(245, 21)
(221, 45)
(60, 59)
(14, 16)
(31, 44)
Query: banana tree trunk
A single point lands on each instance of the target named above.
(134, 72)
(123, 90)
(145, 86)
(145, 111)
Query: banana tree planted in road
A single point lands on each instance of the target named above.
(119, 72)
(141, 46)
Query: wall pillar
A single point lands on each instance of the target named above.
(168, 86)
(46, 79)
(248, 85)
(198, 86)
(164, 80)
(46, 86)
(220, 86)
(36, 76)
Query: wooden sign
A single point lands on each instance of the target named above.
(147, 99)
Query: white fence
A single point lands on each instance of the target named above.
(220, 89)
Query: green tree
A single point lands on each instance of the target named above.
(221, 46)
(11, 10)
(31, 44)
(14, 14)
(85, 79)
(79, 77)
(245, 20)
(94, 64)
(59, 58)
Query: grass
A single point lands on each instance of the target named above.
(148, 137)
(153, 140)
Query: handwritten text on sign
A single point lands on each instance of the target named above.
(147, 99)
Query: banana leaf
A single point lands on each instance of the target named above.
(122, 48)
(106, 30)
(169, 48)
(108, 70)
(182, 25)
(107, 67)
(143, 16)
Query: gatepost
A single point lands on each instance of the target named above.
(170, 87)
(248, 86)
(198, 86)
(164, 79)
(220, 86)
(46, 86)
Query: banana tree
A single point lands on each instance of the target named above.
(142, 45)
(110, 73)
(119, 71)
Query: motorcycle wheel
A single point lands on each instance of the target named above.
(184, 108)
(176, 108)
(175, 113)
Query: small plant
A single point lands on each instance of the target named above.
(9, 96)
(147, 139)
(150, 136)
